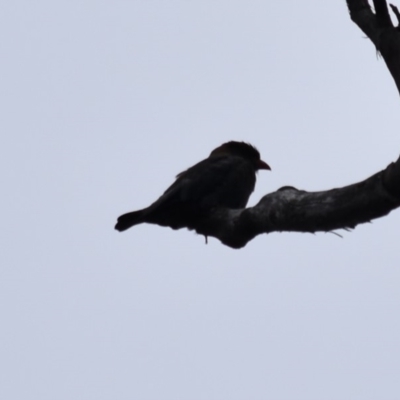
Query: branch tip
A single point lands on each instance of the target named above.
(396, 13)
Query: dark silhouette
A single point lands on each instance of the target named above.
(225, 179)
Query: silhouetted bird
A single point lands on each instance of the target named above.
(225, 179)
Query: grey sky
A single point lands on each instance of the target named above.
(103, 103)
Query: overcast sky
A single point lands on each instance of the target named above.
(103, 103)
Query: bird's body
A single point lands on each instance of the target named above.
(225, 179)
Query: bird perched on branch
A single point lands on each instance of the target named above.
(225, 179)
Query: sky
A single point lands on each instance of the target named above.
(103, 103)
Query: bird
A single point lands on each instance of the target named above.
(225, 179)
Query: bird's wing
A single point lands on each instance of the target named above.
(207, 178)
(203, 177)
(218, 180)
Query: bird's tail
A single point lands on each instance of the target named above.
(128, 220)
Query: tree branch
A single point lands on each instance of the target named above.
(379, 28)
(396, 13)
(293, 210)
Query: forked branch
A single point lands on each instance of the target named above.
(293, 210)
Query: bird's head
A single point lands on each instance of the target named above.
(244, 150)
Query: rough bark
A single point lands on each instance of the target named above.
(380, 30)
(293, 210)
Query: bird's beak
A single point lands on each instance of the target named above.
(263, 165)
